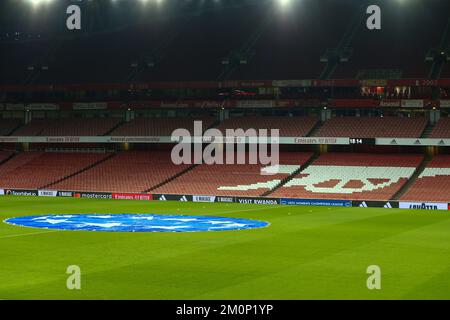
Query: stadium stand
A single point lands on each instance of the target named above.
(38, 169)
(288, 126)
(159, 126)
(244, 180)
(405, 53)
(68, 127)
(370, 127)
(7, 126)
(134, 171)
(16, 162)
(4, 155)
(446, 74)
(441, 129)
(16, 57)
(175, 47)
(188, 58)
(433, 183)
(268, 56)
(352, 177)
(248, 53)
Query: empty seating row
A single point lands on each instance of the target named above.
(358, 127)
(4, 155)
(373, 127)
(133, 171)
(441, 129)
(433, 183)
(160, 126)
(68, 127)
(32, 170)
(287, 126)
(331, 176)
(352, 177)
(7, 126)
(235, 179)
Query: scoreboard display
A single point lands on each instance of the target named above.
(370, 141)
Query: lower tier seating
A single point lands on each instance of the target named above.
(5, 155)
(433, 184)
(33, 170)
(133, 171)
(234, 179)
(331, 176)
(352, 177)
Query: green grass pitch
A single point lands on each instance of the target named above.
(306, 253)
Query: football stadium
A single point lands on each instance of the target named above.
(224, 150)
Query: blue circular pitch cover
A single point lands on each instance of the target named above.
(135, 222)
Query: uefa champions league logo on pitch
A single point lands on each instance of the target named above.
(135, 223)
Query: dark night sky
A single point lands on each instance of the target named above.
(101, 15)
(189, 38)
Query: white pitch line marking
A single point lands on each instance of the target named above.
(27, 234)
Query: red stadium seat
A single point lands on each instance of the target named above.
(233, 179)
(133, 171)
(441, 129)
(68, 127)
(159, 126)
(370, 127)
(288, 126)
(32, 170)
(433, 183)
(352, 177)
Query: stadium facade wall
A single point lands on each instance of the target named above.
(230, 104)
(281, 140)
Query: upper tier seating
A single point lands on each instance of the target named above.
(234, 179)
(276, 45)
(7, 126)
(393, 47)
(433, 184)
(367, 127)
(68, 127)
(351, 177)
(446, 72)
(159, 126)
(288, 126)
(32, 170)
(134, 171)
(441, 129)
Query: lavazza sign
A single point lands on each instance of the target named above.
(423, 205)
